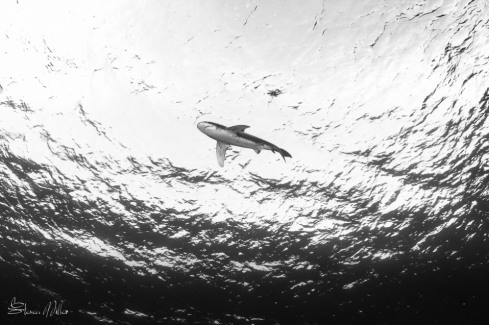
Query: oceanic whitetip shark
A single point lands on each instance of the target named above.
(235, 136)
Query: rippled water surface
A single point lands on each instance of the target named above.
(112, 202)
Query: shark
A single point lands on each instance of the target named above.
(236, 136)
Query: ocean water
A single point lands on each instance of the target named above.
(114, 208)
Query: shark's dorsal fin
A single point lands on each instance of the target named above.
(238, 128)
(221, 152)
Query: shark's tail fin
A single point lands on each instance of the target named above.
(283, 153)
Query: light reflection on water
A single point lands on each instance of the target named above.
(108, 189)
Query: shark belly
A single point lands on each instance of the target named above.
(232, 139)
(241, 142)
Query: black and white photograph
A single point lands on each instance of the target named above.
(255, 162)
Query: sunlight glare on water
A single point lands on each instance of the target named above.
(108, 186)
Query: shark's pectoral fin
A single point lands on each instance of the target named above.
(221, 152)
(257, 150)
(238, 128)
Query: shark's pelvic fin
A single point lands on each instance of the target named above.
(238, 128)
(257, 150)
(221, 152)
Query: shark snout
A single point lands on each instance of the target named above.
(203, 125)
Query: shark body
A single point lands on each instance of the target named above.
(235, 136)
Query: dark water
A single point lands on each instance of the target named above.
(112, 202)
